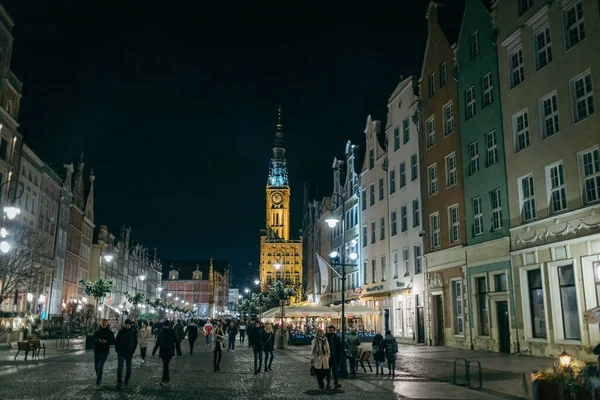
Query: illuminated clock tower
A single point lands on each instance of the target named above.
(280, 256)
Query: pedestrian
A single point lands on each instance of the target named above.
(249, 328)
(336, 352)
(103, 339)
(191, 330)
(167, 343)
(352, 344)
(269, 346)
(378, 353)
(144, 337)
(319, 357)
(179, 332)
(391, 348)
(257, 337)
(232, 332)
(218, 346)
(125, 345)
(207, 331)
(242, 331)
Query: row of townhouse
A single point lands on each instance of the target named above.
(480, 198)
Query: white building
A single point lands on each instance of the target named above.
(404, 193)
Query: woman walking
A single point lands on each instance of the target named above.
(167, 343)
(319, 357)
(378, 353)
(218, 336)
(242, 331)
(269, 346)
(144, 336)
(391, 348)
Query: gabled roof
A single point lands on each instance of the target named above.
(186, 268)
(403, 83)
(487, 4)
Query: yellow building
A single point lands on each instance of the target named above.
(280, 256)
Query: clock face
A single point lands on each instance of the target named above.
(276, 198)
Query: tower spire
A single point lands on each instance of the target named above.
(278, 169)
(78, 190)
(89, 205)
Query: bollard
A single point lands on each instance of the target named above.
(478, 374)
(466, 372)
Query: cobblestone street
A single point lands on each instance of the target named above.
(72, 377)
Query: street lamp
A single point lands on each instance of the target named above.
(256, 281)
(142, 278)
(332, 222)
(277, 265)
(108, 257)
(4, 246)
(12, 212)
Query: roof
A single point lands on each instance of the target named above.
(187, 267)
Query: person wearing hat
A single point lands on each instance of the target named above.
(125, 345)
(168, 343)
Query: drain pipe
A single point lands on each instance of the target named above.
(427, 297)
(470, 298)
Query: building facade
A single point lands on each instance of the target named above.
(310, 241)
(404, 196)
(280, 256)
(549, 74)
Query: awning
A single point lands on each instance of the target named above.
(356, 310)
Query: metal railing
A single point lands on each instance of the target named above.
(467, 374)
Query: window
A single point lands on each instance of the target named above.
(470, 102)
(372, 232)
(549, 115)
(517, 69)
(443, 73)
(496, 210)
(527, 195)
(492, 149)
(521, 129)
(396, 138)
(459, 328)
(500, 283)
(394, 223)
(4, 149)
(392, 181)
(364, 199)
(430, 132)
(482, 304)
(488, 89)
(416, 215)
(542, 47)
(395, 258)
(448, 119)
(405, 261)
(434, 221)
(383, 269)
(432, 84)
(433, 182)
(365, 273)
(574, 25)
(381, 228)
(568, 302)
(364, 236)
(591, 176)
(381, 189)
(417, 254)
(596, 267)
(373, 270)
(473, 158)
(582, 95)
(371, 194)
(557, 191)
(402, 175)
(477, 216)
(414, 168)
(405, 131)
(524, 5)
(454, 224)
(474, 44)
(371, 158)
(451, 170)
(403, 219)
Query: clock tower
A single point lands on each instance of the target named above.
(280, 256)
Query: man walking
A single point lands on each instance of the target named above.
(257, 338)
(125, 345)
(168, 343)
(191, 330)
(103, 339)
(232, 331)
(335, 351)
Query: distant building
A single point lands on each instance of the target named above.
(233, 299)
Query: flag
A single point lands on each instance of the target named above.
(323, 265)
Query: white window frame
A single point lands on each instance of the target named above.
(405, 259)
(414, 167)
(451, 172)
(593, 176)
(526, 309)
(492, 148)
(546, 50)
(416, 213)
(557, 318)
(431, 82)
(383, 268)
(434, 224)
(402, 174)
(392, 181)
(555, 185)
(488, 89)
(578, 25)
(529, 199)
(443, 73)
(549, 114)
(470, 101)
(404, 218)
(474, 44)
(396, 266)
(497, 222)
(430, 126)
(523, 131)
(473, 158)
(477, 216)
(518, 69)
(432, 179)
(589, 94)
(523, 6)
(394, 222)
(448, 118)
(454, 225)
(458, 306)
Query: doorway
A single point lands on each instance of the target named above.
(503, 327)
(438, 320)
(420, 326)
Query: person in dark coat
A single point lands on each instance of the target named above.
(103, 339)
(336, 351)
(125, 345)
(191, 330)
(269, 346)
(167, 343)
(391, 348)
(378, 353)
(232, 332)
(257, 337)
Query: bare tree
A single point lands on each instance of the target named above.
(21, 265)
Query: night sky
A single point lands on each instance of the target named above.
(175, 106)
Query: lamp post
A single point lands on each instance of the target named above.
(340, 260)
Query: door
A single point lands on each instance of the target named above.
(386, 319)
(420, 326)
(503, 327)
(439, 331)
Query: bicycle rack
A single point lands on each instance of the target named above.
(467, 380)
